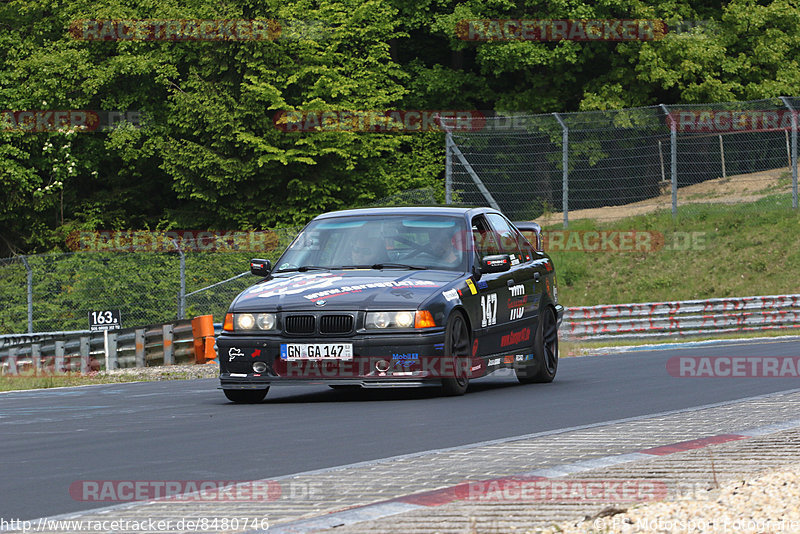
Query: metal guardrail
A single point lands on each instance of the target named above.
(173, 342)
(683, 318)
(7, 340)
(83, 351)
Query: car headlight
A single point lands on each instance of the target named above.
(395, 319)
(245, 321)
(261, 321)
(266, 321)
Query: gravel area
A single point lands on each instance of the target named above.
(765, 504)
(166, 372)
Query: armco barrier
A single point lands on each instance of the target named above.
(83, 351)
(683, 318)
(9, 340)
(170, 343)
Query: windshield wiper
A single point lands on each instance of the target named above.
(398, 266)
(385, 266)
(304, 268)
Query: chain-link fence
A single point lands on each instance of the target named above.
(554, 168)
(613, 164)
(13, 296)
(56, 292)
(142, 274)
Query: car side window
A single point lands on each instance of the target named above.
(533, 238)
(507, 235)
(483, 237)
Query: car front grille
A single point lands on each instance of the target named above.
(300, 324)
(326, 324)
(335, 324)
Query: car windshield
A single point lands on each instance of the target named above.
(379, 242)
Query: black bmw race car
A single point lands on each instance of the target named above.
(388, 297)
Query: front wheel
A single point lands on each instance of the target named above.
(246, 396)
(457, 355)
(545, 352)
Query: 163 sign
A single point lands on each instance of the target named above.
(105, 320)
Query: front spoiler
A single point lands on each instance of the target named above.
(362, 382)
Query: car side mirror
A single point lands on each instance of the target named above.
(497, 263)
(260, 267)
(476, 271)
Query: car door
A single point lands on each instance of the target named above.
(490, 315)
(518, 303)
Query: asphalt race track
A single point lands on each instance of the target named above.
(187, 430)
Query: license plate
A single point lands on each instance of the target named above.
(316, 351)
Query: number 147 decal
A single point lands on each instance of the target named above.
(488, 309)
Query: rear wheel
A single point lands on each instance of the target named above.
(246, 396)
(545, 352)
(457, 354)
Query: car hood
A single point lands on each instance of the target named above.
(344, 290)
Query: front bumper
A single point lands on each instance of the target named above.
(379, 360)
(365, 383)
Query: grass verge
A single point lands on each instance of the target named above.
(28, 380)
(586, 348)
(709, 250)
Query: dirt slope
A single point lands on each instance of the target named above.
(729, 190)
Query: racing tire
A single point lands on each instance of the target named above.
(545, 352)
(457, 347)
(246, 396)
